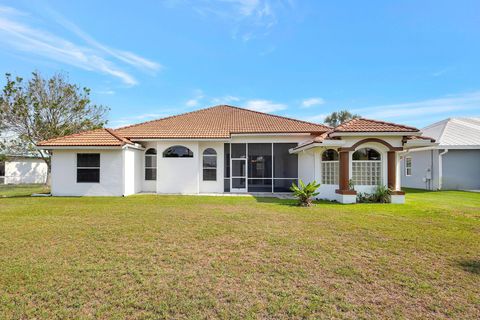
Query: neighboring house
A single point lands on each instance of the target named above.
(23, 169)
(454, 163)
(227, 149)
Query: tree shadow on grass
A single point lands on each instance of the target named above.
(285, 202)
(411, 190)
(290, 202)
(472, 266)
(22, 191)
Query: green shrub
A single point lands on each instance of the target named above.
(380, 195)
(305, 192)
(351, 185)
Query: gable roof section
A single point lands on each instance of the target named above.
(218, 122)
(455, 132)
(362, 125)
(369, 125)
(99, 137)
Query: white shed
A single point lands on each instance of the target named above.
(23, 170)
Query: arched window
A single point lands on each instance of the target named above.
(330, 167)
(367, 167)
(366, 154)
(209, 165)
(151, 164)
(177, 152)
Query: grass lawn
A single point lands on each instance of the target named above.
(157, 257)
(24, 190)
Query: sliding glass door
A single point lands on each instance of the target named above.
(260, 167)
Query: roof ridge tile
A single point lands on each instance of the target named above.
(342, 127)
(120, 138)
(223, 106)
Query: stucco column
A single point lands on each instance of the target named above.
(344, 173)
(392, 166)
(392, 172)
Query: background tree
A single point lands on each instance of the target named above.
(42, 109)
(337, 118)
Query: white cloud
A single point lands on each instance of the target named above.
(225, 99)
(307, 103)
(106, 92)
(319, 118)
(125, 56)
(93, 56)
(441, 72)
(446, 105)
(264, 106)
(126, 121)
(196, 99)
(248, 19)
(191, 103)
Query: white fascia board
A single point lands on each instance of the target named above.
(270, 134)
(459, 147)
(419, 147)
(378, 134)
(419, 143)
(180, 139)
(135, 146)
(326, 143)
(79, 147)
(432, 146)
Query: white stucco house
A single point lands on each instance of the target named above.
(225, 149)
(452, 164)
(23, 170)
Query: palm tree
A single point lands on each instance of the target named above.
(337, 118)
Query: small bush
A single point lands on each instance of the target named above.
(380, 195)
(305, 192)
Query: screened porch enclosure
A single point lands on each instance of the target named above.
(259, 167)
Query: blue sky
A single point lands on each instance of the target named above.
(411, 62)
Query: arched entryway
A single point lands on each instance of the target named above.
(363, 151)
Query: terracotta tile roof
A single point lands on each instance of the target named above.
(324, 136)
(419, 138)
(98, 137)
(368, 125)
(318, 139)
(364, 125)
(218, 122)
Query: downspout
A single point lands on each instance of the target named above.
(440, 168)
(403, 164)
(432, 173)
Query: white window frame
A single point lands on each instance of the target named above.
(209, 168)
(93, 168)
(150, 167)
(329, 170)
(370, 165)
(408, 168)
